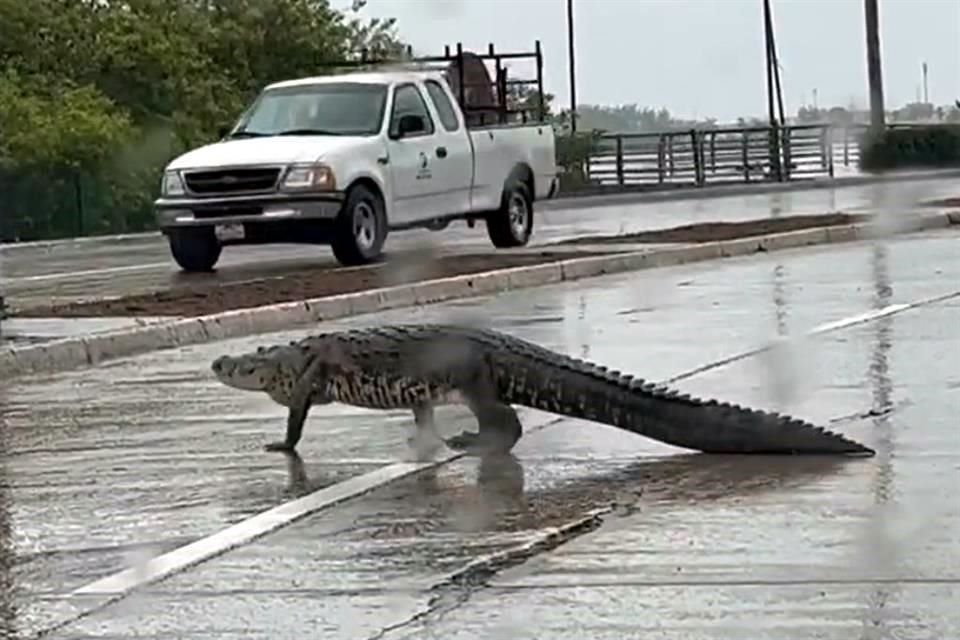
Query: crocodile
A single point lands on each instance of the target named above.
(421, 366)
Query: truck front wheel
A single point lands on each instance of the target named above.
(360, 229)
(512, 224)
(195, 248)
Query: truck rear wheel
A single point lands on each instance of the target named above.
(360, 229)
(512, 224)
(195, 248)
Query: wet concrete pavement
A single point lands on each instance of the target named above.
(140, 456)
(109, 268)
(37, 330)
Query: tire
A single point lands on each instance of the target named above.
(512, 224)
(360, 229)
(195, 249)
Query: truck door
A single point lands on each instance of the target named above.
(452, 156)
(411, 158)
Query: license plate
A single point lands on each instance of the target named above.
(229, 231)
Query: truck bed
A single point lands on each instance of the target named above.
(499, 146)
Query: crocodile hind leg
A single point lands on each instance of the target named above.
(499, 429)
(499, 426)
(425, 441)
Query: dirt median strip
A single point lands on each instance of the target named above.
(715, 231)
(92, 349)
(212, 296)
(952, 202)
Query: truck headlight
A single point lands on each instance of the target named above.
(172, 184)
(310, 177)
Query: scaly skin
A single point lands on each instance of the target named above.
(418, 367)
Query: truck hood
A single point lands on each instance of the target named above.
(272, 150)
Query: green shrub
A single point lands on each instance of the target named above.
(573, 151)
(909, 147)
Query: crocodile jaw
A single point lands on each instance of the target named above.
(268, 369)
(244, 372)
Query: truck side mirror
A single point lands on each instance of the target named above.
(222, 132)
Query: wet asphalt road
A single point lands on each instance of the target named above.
(138, 457)
(110, 268)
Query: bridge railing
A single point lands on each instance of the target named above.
(723, 155)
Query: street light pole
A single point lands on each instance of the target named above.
(572, 65)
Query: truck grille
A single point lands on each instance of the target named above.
(232, 180)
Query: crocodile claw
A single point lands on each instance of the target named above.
(474, 443)
(464, 442)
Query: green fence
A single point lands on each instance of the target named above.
(39, 206)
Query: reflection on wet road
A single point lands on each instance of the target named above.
(146, 454)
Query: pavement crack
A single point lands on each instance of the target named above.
(458, 587)
(873, 412)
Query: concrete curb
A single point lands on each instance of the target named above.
(70, 353)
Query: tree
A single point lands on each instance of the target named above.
(632, 118)
(95, 97)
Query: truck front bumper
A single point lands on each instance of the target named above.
(233, 210)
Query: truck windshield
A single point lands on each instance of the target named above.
(341, 109)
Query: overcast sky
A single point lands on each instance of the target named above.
(702, 58)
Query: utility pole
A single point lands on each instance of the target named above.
(874, 69)
(768, 44)
(571, 62)
(774, 95)
(926, 95)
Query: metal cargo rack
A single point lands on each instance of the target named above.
(482, 99)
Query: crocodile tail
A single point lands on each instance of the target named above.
(582, 390)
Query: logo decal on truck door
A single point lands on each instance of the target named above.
(424, 173)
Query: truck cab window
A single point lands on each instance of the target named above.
(448, 116)
(407, 101)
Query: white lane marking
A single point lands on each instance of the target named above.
(826, 327)
(198, 551)
(82, 274)
(73, 275)
(245, 531)
(293, 262)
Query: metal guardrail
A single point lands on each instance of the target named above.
(723, 155)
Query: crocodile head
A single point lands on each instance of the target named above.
(267, 369)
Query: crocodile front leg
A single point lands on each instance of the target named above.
(301, 399)
(297, 415)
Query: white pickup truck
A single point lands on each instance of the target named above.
(344, 159)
